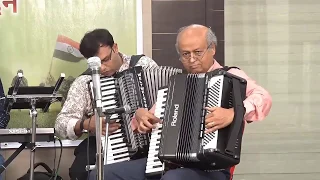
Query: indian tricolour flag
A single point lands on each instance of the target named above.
(67, 49)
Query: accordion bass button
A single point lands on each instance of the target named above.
(201, 133)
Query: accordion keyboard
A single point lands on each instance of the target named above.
(154, 165)
(117, 147)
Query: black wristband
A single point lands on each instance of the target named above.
(81, 124)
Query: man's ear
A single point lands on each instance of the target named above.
(213, 50)
(115, 48)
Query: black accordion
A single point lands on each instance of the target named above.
(181, 141)
(136, 87)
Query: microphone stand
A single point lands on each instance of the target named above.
(99, 155)
(95, 64)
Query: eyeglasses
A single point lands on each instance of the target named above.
(107, 58)
(197, 55)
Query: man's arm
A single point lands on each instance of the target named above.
(258, 102)
(74, 109)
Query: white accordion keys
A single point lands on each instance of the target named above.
(117, 149)
(154, 164)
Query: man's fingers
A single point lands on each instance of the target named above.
(153, 118)
(210, 125)
(213, 124)
(104, 131)
(147, 123)
(103, 120)
(143, 127)
(115, 125)
(211, 109)
(112, 121)
(209, 120)
(212, 129)
(209, 115)
(141, 131)
(112, 129)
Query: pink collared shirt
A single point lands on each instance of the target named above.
(258, 102)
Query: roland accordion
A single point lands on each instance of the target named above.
(181, 139)
(136, 88)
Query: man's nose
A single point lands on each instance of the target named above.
(103, 67)
(192, 58)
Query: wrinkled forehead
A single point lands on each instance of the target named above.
(192, 42)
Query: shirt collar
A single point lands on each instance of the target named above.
(215, 66)
(126, 61)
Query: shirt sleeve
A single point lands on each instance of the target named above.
(258, 102)
(146, 61)
(74, 108)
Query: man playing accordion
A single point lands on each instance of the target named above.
(196, 45)
(75, 115)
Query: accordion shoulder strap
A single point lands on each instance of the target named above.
(227, 68)
(135, 59)
(87, 72)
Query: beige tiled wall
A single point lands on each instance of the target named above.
(277, 42)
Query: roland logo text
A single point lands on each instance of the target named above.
(175, 115)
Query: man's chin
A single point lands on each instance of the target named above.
(107, 73)
(195, 70)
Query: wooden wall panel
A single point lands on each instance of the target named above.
(215, 20)
(170, 15)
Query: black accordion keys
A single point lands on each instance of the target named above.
(136, 87)
(181, 140)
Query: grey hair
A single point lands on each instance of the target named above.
(211, 37)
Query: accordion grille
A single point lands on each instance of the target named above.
(127, 92)
(190, 127)
(213, 100)
(156, 77)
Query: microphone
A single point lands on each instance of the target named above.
(125, 109)
(94, 64)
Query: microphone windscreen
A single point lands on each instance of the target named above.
(94, 62)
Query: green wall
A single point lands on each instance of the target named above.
(27, 41)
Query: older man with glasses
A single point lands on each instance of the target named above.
(196, 45)
(75, 114)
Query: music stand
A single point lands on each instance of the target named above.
(33, 98)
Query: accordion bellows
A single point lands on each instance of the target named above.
(180, 141)
(136, 87)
